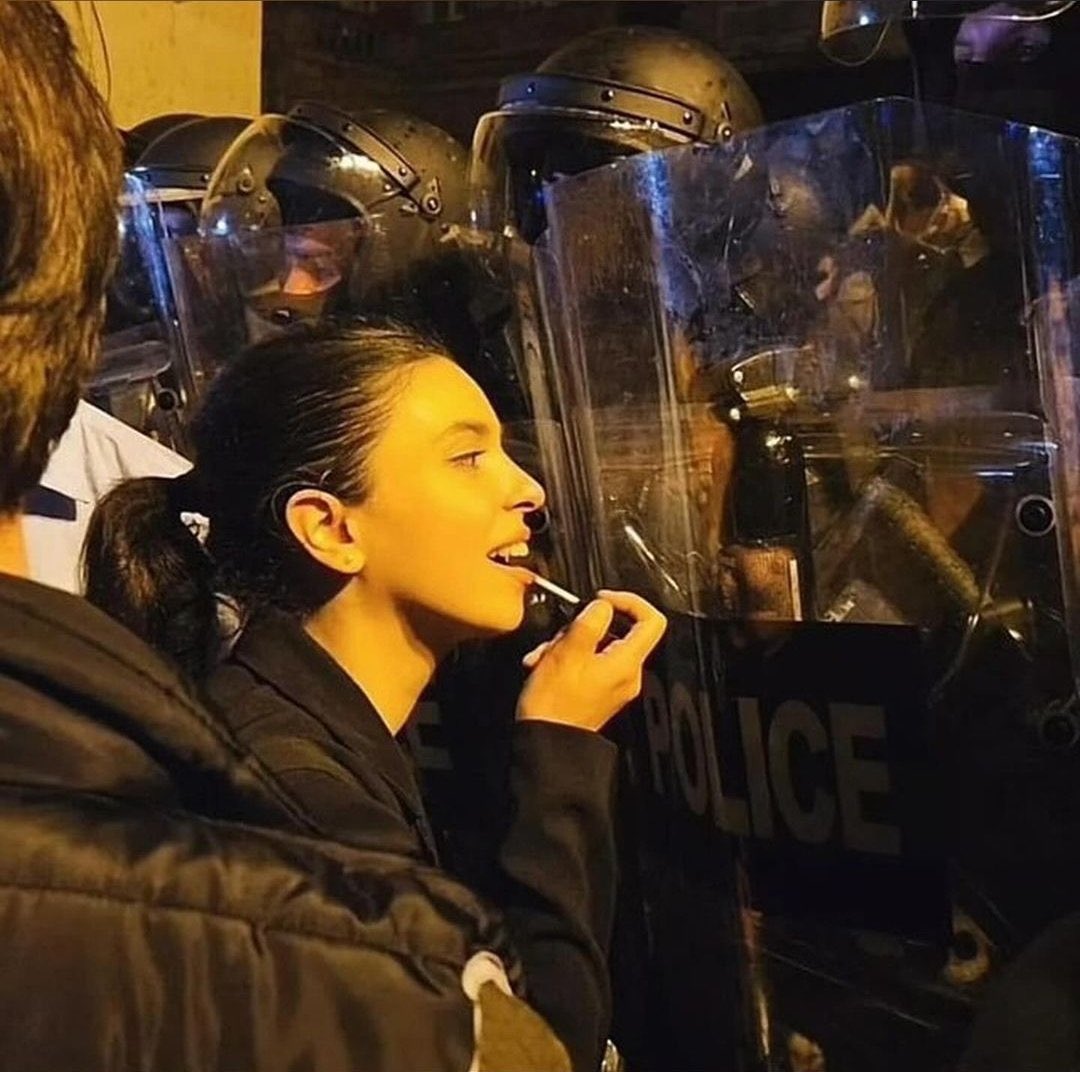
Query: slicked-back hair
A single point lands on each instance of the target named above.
(302, 410)
(59, 182)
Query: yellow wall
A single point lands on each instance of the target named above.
(171, 55)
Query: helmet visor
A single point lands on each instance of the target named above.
(281, 172)
(852, 30)
(236, 289)
(516, 152)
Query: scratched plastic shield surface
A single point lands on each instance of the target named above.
(819, 386)
(142, 376)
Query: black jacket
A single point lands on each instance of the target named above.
(295, 708)
(152, 917)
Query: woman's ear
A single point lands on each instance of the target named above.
(320, 523)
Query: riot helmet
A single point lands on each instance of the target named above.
(182, 158)
(608, 94)
(321, 212)
(358, 200)
(138, 137)
(1012, 58)
(851, 30)
(185, 155)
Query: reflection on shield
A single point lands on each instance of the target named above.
(236, 289)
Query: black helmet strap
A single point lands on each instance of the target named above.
(567, 91)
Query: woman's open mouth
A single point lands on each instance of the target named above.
(506, 555)
(514, 557)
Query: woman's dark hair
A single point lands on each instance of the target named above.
(302, 410)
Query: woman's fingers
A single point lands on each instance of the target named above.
(531, 658)
(577, 680)
(649, 625)
(587, 631)
(584, 633)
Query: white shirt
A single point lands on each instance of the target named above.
(96, 452)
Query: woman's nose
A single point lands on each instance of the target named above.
(529, 493)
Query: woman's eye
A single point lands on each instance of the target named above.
(470, 460)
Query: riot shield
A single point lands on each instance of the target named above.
(822, 396)
(143, 374)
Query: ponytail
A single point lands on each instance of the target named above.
(143, 566)
(300, 410)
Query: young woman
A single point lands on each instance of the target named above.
(363, 520)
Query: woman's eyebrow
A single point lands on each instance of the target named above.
(479, 428)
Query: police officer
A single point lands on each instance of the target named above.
(326, 211)
(320, 212)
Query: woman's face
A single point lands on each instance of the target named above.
(443, 497)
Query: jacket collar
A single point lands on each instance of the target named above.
(86, 706)
(276, 647)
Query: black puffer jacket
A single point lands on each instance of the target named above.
(554, 881)
(151, 919)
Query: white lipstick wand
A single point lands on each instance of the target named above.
(555, 590)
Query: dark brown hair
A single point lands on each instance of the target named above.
(59, 183)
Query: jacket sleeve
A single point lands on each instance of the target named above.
(173, 943)
(556, 877)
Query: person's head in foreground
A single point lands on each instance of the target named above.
(59, 182)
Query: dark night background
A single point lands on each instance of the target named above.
(443, 60)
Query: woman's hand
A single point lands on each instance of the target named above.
(574, 684)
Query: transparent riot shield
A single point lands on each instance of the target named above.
(143, 374)
(820, 385)
(528, 333)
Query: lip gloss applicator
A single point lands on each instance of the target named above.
(621, 624)
(557, 591)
